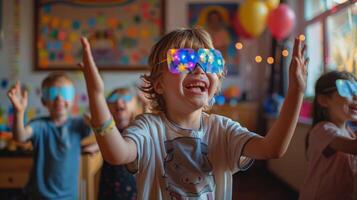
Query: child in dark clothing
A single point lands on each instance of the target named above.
(115, 181)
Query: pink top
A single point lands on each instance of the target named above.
(331, 173)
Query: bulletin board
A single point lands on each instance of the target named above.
(121, 32)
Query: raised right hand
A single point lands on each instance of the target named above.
(89, 68)
(18, 97)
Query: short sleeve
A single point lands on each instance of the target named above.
(236, 137)
(138, 131)
(83, 128)
(37, 126)
(321, 136)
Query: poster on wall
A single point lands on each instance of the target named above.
(217, 19)
(121, 32)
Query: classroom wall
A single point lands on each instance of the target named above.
(254, 77)
(32, 79)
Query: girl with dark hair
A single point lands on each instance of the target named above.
(331, 144)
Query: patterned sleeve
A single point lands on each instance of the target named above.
(138, 131)
(236, 137)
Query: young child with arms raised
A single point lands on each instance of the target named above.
(55, 139)
(331, 144)
(116, 182)
(179, 151)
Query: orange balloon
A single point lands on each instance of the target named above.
(272, 4)
(252, 16)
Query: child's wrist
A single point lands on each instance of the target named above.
(105, 128)
(296, 91)
(19, 112)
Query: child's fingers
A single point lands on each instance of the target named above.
(85, 43)
(86, 47)
(12, 95)
(18, 86)
(306, 63)
(25, 95)
(303, 51)
(293, 64)
(297, 62)
(87, 118)
(87, 53)
(12, 88)
(296, 48)
(12, 92)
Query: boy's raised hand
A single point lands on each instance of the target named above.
(18, 97)
(298, 67)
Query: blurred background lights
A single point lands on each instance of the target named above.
(258, 59)
(239, 45)
(302, 37)
(285, 53)
(270, 60)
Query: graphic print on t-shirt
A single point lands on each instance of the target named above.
(188, 171)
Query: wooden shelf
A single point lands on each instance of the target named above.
(246, 113)
(15, 171)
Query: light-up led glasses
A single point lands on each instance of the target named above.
(346, 88)
(115, 97)
(51, 93)
(185, 60)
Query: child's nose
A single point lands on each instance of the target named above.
(59, 98)
(198, 70)
(121, 103)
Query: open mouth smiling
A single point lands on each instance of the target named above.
(197, 86)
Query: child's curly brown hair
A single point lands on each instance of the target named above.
(194, 38)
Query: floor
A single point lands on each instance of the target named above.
(258, 184)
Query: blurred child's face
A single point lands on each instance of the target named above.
(187, 92)
(58, 98)
(122, 108)
(341, 108)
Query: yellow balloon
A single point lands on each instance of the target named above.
(252, 16)
(272, 4)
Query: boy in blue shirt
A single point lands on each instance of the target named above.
(55, 139)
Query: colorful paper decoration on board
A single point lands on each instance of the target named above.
(104, 23)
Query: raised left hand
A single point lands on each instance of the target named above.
(298, 67)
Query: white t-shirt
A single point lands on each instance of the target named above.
(177, 163)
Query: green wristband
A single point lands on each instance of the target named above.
(103, 129)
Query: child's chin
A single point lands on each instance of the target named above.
(61, 113)
(201, 104)
(352, 116)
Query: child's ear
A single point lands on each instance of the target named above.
(322, 100)
(158, 87)
(43, 101)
